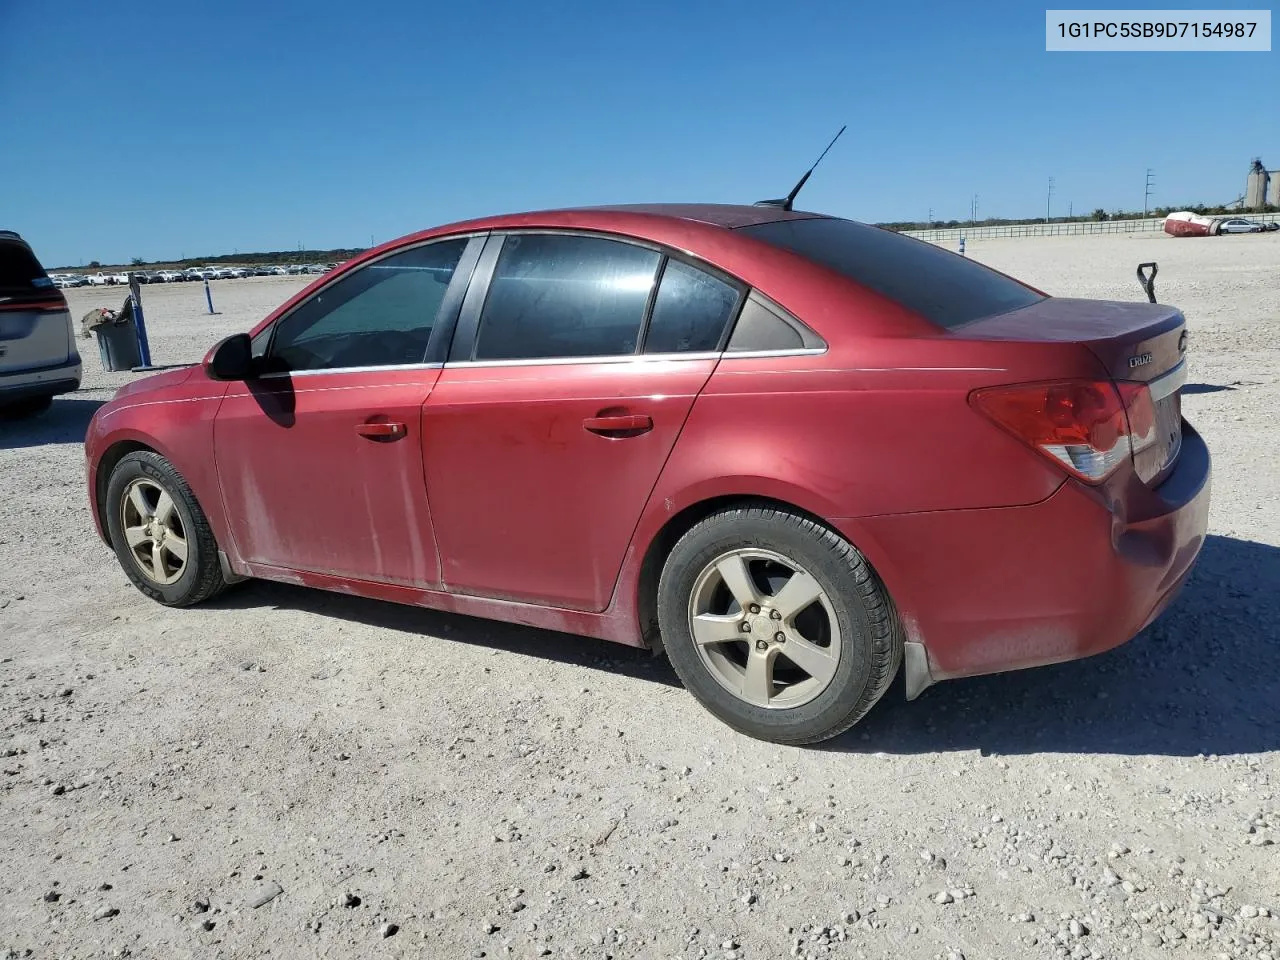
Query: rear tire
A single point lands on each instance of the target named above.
(29, 407)
(796, 637)
(159, 533)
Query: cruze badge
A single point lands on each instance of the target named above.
(1139, 360)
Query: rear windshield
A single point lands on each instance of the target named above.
(20, 271)
(946, 289)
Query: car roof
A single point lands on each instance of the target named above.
(624, 216)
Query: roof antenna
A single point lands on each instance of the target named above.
(786, 202)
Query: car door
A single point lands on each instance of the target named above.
(319, 456)
(576, 361)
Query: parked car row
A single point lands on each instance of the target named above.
(190, 273)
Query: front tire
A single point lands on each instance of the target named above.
(159, 533)
(777, 625)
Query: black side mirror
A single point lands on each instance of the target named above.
(231, 359)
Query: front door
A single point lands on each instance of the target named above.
(564, 396)
(320, 456)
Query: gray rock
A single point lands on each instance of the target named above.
(104, 913)
(350, 900)
(265, 894)
(200, 906)
(388, 930)
(944, 896)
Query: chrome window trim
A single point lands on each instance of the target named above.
(638, 358)
(1169, 383)
(375, 368)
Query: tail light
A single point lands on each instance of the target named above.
(1089, 427)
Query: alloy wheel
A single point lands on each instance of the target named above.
(153, 531)
(764, 628)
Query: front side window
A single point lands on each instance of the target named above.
(561, 296)
(690, 312)
(381, 314)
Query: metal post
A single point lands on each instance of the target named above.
(144, 348)
(207, 294)
(1146, 197)
(1048, 200)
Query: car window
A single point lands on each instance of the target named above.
(690, 312)
(21, 275)
(381, 314)
(558, 295)
(942, 287)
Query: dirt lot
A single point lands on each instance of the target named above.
(408, 783)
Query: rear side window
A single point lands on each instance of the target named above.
(556, 295)
(946, 289)
(20, 271)
(690, 312)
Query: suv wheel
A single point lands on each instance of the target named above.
(777, 625)
(160, 535)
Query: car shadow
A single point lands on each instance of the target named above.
(1191, 388)
(64, 422)
(1200, 680)
(571, 650)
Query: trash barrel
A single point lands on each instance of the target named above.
(118, 341)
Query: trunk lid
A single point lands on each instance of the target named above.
(1136, 342)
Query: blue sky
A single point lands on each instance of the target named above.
(159, 129)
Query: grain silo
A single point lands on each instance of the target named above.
(1255, 194)
(1273, 187)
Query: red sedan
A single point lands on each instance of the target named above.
(794, 452)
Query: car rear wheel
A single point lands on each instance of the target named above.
(777, 625)
(160, 534)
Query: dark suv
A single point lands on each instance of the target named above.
(38, 355)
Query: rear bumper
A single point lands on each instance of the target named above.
(1083, 571)
(48, 381)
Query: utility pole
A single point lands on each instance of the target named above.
(1048, 201)
(1146, 197)
(1070, 209)
(931, 216)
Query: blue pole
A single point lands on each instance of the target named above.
(144, 348)
(208, 295)
(962, 246)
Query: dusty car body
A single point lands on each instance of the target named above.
(843, 439)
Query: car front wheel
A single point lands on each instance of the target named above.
(777, 625)
(160, 534)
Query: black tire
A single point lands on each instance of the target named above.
(28, 407)
(202, 576)
(871, 641)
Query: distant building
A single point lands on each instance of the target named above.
(1263, 186)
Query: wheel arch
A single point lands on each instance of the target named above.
(675, 527)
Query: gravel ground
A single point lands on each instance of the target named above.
(291, 773)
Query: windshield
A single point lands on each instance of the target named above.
(944, 288)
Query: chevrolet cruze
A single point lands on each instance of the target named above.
(796, 453)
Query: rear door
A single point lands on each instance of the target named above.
(35, 332)
(575, 364)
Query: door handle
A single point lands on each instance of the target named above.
(384, 432)
(629, 424)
